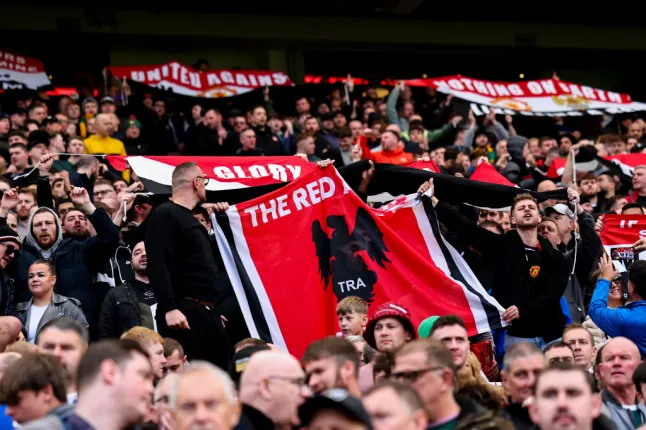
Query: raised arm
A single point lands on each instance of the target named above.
(481, 239)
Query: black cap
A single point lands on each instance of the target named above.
(7, 235)
(339, 400)
(328, 116)
(50, 120)
(37, 137)
(241, 359)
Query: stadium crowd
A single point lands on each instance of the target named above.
(108, 325)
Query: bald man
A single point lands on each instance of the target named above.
(619, 359)
(272, 387)
(185, 276)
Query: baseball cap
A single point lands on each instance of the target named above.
(107, 99)
(339, 400)
(385, 310)
(37, 137)
(132, 123)
(241, 359)
(560, 208)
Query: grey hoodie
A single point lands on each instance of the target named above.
(31, 240)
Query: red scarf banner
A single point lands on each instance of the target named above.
(224, 173)
(294, 253)
(619, 234)
(20, 72)
(185, 80)
(545, 97)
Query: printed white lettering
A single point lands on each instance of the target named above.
(314, 192)
(534, 88)
(264, 80)
(501, 90)
(183, 76)
(239, 172)
(258, 171)
(153, 75)
(480, 87)
(614, 97)
(252, 211)
(227, 77)
(174, 70)
(575, 90)
(300, 199)
(223, 172)
(196, 81)
(213, 79)
(282, 206)
(467, 83)
(548, 86)
(277, 172)
(241, 80)
(515, 89)
(588, 92)
(330, 191)
(271, 210)
(296, 170)
(456, 85)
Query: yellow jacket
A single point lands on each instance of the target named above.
(96, 144)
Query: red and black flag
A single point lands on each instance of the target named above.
(294, 253)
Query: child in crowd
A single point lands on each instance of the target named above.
(352, 313)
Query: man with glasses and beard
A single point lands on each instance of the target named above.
(185, 273)
(332, 362)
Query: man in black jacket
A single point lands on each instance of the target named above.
(530, 276)
(131, 304)
(183, 272)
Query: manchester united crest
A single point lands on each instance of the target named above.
(534, 271)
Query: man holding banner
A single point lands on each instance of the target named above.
(529, 280)
(186, 273)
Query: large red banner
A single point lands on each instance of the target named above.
(19, 72)
(304, 247)
(185, 80)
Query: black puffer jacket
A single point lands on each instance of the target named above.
(121, 311)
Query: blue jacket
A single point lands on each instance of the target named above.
(628, 321)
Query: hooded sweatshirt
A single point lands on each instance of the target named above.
(31, 240)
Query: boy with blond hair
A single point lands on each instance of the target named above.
(153, 343)
(352, 314)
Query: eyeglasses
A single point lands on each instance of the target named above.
(298, 381)
(206, 180)
(413, 375)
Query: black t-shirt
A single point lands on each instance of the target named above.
(145, 293)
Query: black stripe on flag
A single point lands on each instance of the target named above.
(493, 316)
(252, 298)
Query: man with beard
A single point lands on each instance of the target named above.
(76, 260)
(529, 275)
(75, 225)
(130, 304)
(26, 202)
(332, 362)
(185, 275)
